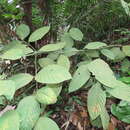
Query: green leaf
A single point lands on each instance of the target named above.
(126, 50)
(76, 34)
(29, 111)
(7, 88)
(15, 50)
(53, 74)
(68, 40)
(95, 45)
(125, 80)
(21, 79)
(46, 124)
(52, 47)
(125, 65)
(96, 101)
(92, 53)
(102, 73)
(70, 52)
(39, 33)
(122, 91)
(125, 6)
(22, 31)
(119, 55)
(105, 119)
(9, 121)
(46, 95)
(45, 62)
(108, 53)
(81, 76)
(64, 61)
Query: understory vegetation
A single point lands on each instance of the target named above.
(64, 65)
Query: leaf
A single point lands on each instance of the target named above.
(68, 40)
(122, 91)
(119, 55)
(7, 88)
(95, 45)
(22, 31)
(46, 95)
(15, 50)
(125, 65)
(29, 111)
(8, 119)
(21, 79)
(92, 53)
(39, 33)
(45, 61)
(108, 53)
(76, 34)
(64, 61)
(46, 123)
(96, 101)
(70, 52)
(53, 74)
(102, 73)
(125, 80)
(105, 119)
(126, 50)
(81, 76)
(125, 6)
(52, 47)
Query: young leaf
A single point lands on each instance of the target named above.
(102, 73)
(45, 61)
(126, 50)
(7, 88)
(46, 95)
(80, 77)
(22, 31)
(29, 111)
(64, 61)
(46, 123)
(76, 34)
(52, 47)
(10, 121)
(108, 53)
(21, 79)
(96, 101)
(53, 74)
(95, 45)
(39, 33)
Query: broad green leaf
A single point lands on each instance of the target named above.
(52, 47)
(119, 55)
(46, 95)
(96, 101)
(64, 61)
(7, 88)
(10, 121)
(46, 124)
(29, 111)
(92, 53)
(39, 33)
(21, 79)
(68, 40)
(126, 50)
(22, 31)
(125, 7)
(105, 119)
(53, 55)
(76, 34)
(15, 50)
(125, 65)
(95, 45)
(53, 74)
(102, 73)
(108, 53)
(70, 52)
(122, 91)
(81, 76)
(45, 61)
